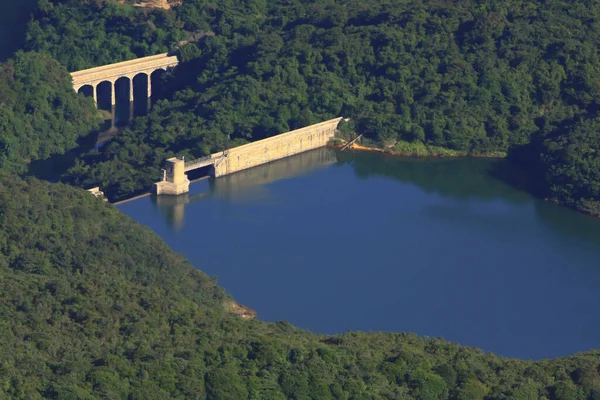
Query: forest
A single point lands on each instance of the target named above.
(483, 78)
(39, 114)
(95, 305)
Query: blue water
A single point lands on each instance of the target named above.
(365, 242)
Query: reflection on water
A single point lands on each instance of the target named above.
(457, 179)
(244, 186)
(346, 241)
(247, 184)
(461, 178)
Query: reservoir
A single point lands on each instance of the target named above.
(334, 241)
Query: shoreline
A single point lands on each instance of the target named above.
(148, 193)
(361, 148)
(393, 153)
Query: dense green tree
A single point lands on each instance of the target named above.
(424, 77)
(95, 305)
(571, 159)
(40, 114)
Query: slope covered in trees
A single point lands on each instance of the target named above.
(477, 77)
(40, 114)
(96, 306)
(13, 25)
(572, 161)
(85, 33)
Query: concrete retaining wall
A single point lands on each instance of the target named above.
(275, 148)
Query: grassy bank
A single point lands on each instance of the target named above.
(419, 149)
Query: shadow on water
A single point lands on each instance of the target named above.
(476, 179)
(244, 185)
(464, 179)
(461, 178)
(568, 223)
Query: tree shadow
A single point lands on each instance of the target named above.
(53, 167)
(456, 178)
(13, 25)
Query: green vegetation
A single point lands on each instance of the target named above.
(572, 161)
(40, 114)
(96, 306)
(85, 33)
(473, 78)
(421, 149)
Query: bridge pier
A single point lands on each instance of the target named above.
(129, 69)
(113, 88)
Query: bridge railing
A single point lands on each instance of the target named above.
(197, 162)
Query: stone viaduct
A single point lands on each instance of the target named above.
(250, 155)
(126, 69)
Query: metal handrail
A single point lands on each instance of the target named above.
(200, 160)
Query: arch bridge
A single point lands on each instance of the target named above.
(126, 69)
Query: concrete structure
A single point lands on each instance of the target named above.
(250, 182)
(276, 147)
(175, 180)
(249, 155)
(247, 183)
(127, 69)
(98, 193)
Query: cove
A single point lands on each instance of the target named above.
(334, 241)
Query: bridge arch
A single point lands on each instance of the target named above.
(141, 87)
(140, 75)
(128, 69)
(155, 78)
(122, 85)
(87, 90)
(105, 94)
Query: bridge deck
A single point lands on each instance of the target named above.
(123, 68)
(198, 163)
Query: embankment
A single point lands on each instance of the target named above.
(275, 148)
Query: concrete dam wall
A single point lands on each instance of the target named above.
(274, 148)
(237, 185)
(250, 155)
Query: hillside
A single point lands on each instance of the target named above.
(474, 77)
(40, 114)
(94, 305)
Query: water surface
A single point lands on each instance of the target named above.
(336, 242)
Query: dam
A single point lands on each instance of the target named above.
(246, 182)
(175, 181)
